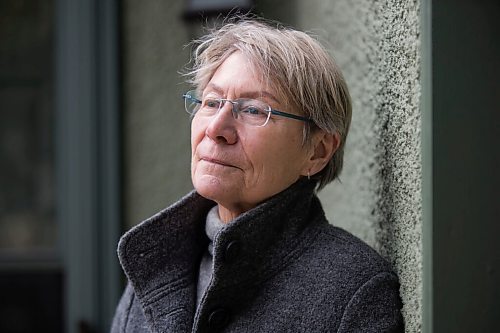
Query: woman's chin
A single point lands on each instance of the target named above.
(213, 187)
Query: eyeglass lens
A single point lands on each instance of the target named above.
(248, 111)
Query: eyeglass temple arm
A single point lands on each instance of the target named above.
(290, 115)
(191, 98)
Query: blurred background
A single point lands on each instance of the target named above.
(94, 139)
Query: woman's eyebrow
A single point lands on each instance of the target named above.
(246, 94)
(215, 88)
(258, 94)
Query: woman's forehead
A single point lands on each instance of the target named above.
(242, 93)
(241, 76)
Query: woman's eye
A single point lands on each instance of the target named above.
(252, 110)
(212, 103)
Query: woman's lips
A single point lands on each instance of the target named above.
(216, 161)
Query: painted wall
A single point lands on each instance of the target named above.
(376, 43)
(156, 128)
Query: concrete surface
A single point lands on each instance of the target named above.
(156, 128)
(377, 46)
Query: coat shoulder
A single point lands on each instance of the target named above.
(349, 283)
(337, 264)
(335, 247)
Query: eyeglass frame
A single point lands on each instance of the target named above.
(190, 96)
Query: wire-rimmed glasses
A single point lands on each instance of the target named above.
(248, 111)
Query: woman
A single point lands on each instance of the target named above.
(250, 249)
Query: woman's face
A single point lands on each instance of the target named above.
(238, 165)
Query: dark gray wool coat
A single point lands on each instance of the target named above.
(279, 267)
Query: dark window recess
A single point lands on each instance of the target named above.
(26, 127)
(31, 302)
(31, 281)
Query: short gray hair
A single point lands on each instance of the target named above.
(296, 66)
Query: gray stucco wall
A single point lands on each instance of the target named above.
(156, 129)
(376, 43)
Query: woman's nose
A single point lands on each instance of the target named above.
(222, 128)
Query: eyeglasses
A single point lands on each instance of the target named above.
(248, 111)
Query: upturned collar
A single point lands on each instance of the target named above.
(161, 255)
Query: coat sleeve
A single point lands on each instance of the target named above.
(375, 307)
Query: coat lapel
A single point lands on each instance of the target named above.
(157, 257)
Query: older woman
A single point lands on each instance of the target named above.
(250, 249)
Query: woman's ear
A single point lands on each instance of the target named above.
(324, 146)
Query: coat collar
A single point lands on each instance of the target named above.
(266, 236)
(161, 255)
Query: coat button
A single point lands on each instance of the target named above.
(232, 251)
(218, 319)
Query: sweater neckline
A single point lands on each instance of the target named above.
(213, 225)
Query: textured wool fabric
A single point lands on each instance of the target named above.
(212, 226)
(279, 267)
